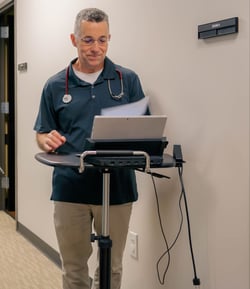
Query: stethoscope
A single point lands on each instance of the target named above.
(67, 98)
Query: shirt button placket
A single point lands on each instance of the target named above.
(92, 92)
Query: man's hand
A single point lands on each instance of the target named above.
(49, 142)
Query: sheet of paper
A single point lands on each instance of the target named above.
(130, 109)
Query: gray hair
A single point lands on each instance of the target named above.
(89, 14)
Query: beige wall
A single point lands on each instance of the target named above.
(203, 87)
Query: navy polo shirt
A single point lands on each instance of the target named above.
(74, 120)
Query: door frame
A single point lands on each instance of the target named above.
(7, 112)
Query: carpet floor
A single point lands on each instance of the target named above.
(22, 266)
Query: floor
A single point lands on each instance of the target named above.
(22, 266)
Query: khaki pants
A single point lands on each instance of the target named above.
(73, 225)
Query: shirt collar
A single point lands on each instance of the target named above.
(108, 72)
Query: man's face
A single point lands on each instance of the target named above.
(92, 45)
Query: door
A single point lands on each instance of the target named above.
(7, 111)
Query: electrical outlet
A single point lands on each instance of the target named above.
(133, 244)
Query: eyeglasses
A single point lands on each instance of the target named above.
(89, 41)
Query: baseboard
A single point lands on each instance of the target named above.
(48, 251)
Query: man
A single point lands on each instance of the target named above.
(69, 102)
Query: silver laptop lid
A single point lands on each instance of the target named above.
(128, 127)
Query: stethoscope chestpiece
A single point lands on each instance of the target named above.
(67, 98)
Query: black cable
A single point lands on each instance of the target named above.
(196, 280)
(162, 281)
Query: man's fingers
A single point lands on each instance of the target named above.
(55, 139)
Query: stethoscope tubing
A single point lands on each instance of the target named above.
(67, 97)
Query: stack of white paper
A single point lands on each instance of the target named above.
(130, 109)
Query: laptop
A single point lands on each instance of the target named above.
(128, 127)
(124, 133)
